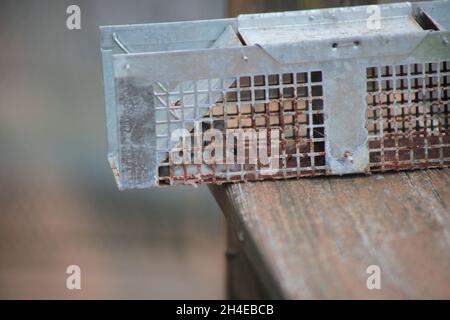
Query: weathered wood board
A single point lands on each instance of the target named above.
(314, 238)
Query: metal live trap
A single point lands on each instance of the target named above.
(345, 90)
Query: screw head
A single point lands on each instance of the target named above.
(349, 156)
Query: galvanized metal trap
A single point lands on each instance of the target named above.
(328, 92)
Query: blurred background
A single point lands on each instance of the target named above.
(58, 201)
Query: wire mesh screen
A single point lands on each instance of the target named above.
(408, 115)
(292, 103)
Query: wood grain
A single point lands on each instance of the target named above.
(315, 238)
